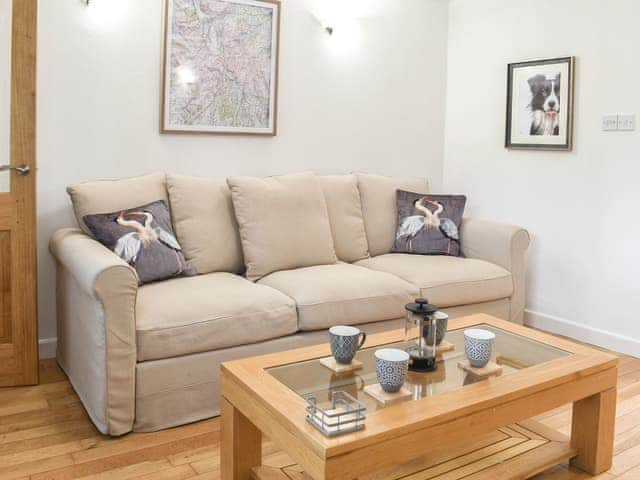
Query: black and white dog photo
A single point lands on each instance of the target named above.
(545, 105)
(540, 104)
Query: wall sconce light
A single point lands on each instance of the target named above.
(327, 27)
(340, 20)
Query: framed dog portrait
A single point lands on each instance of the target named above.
(540, 104)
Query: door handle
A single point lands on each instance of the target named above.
(20, 169)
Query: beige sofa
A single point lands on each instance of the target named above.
(147, 358)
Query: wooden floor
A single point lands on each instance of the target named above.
(46, 434)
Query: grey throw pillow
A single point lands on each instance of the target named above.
(142, 237)
(429, 224)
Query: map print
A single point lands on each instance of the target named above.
(220, 72)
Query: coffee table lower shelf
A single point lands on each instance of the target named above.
(518, 451)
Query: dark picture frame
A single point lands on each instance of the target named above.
(540, 100)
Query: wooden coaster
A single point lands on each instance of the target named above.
(444, 347)
(386, 398)
(334, 366)
(491, 368)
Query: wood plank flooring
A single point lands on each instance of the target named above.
(515, 451)
(45, 434)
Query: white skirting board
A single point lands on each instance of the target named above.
(47, 347)
(583, 333)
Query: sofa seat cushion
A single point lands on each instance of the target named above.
(447, 281)
(340, 294)
(208, 312)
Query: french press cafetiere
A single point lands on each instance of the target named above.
(420, 320)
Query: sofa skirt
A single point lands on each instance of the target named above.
(180, 390)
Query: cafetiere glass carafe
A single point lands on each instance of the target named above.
(420, 320)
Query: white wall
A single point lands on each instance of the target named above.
(369, 98)
(580, 207)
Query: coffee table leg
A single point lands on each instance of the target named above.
(592, 432)
(241, 447)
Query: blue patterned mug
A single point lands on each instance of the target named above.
(478, 344)
(345, 342)
(391, 368)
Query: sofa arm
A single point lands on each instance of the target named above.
(86, 259)
(503, 244)
(96, 294)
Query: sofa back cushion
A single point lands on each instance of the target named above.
(378, 195)
(345, 216)
(205, 223)
(283, 223)
(104, 196)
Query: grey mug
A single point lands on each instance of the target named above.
(345, 342)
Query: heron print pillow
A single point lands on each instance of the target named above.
(429, 224)
(142, 237)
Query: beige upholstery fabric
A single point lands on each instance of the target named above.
(81, 345)
(283, 223)
(98, 298)
(208, 312)
(378, 196)
(502, 244)
(205, 224)
(105, 196)
(167, 397)
(345, 215)
(447, 281)
(109, 288)
(497, 308)
(328, 295)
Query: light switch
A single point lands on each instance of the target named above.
(626, 123)
(609, 123)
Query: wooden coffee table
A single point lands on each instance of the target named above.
(456, 425)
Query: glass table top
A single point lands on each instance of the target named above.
(513, 352)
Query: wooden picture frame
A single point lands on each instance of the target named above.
(540, 99)
(199, 97)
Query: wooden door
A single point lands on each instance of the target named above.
(18, 319)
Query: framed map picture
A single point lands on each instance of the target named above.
(540, 104)
(220, 66)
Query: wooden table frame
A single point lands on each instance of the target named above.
(255, 403)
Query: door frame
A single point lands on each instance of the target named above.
(23, 256)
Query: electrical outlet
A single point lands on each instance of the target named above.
(609, 123)
(626, 123)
